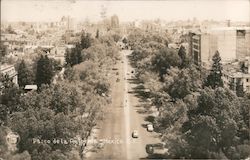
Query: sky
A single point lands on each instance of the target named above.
(53, 10)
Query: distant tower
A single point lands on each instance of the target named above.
(114, 21)
(68, 23)
(103, 12)
(228, 23)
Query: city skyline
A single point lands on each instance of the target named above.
(126, 10)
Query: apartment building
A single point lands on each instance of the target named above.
(10, 71)
(233, 75)
(231, 42)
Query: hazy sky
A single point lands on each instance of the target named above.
(53, 10)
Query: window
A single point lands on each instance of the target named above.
(241, 33)
(247, 79)
(195, 40)
(196, 47)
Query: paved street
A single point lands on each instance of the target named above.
(122, 118)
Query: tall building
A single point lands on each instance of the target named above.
(71, 25)
(242, 43)
(231, 42)
(202, 47)
(114, 21)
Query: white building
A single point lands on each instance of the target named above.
(10, 71)
(231, 42)
(233, 76)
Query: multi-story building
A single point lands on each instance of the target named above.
(234, 76)
(114, 21)
(242, 43)
(231, 42)
(202, 47)
(10, 71)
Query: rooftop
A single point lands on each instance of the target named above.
(30, 87)
(5, 66)
(233, 69)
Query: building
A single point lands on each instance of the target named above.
(30, 88)
(202, 47)
(114, 21)
(231, 42)
(58, 53)
(233, 75)
(242, 43)
(10, 71)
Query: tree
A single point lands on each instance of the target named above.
(124, 40)
(25, 76)
(74, 56)
(7, 82)
(45, 125)
(85, 41)
(3, 114)
(164, 59)
(185, 61)
(10, 30)
(45, 72)
(65, 99)
(186, 82)
(3, 51)
(116, 37)
(239, 89)
(172, 115)
(243, 67)
(97, 34)
(68, 57)
(11, 99)
(214, 79)
(212, 126)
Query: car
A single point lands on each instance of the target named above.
(150, 128)
(135, 134)
(100, 144)
(158, 148)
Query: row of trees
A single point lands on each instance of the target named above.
(74, 56)
(40, 72)
(66, 110)
(198, 117)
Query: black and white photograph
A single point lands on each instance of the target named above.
(124, 79)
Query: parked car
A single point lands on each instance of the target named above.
(150, 128)
(158, 148)
(135, 134)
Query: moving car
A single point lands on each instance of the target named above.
(135, 134)
(150, 128)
